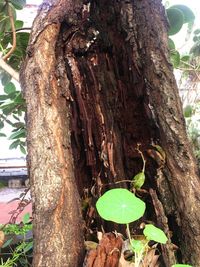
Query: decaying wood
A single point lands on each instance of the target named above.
(107, 253)
(162, 221)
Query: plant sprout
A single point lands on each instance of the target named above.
(121, 206)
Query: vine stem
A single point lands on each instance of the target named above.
(142, 156)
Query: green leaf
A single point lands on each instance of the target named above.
(19, 99)
(8, 108)
(14, 144)
(1, 124)
(22, 149)
(175, 58)
(176, 20)
(18, 4)
(137, 245)
(2, 135)
(181, 265)
(197, 31)
(5, 78)
(195, 50)
(139, 180)
(187, 12)
(19, 24)
(171, 44)
(185, 58)
(195, 38)
(187, 111)
(7, 243)
(9, 88)
(155, 234)
(28, 247)
(19, 134)
(26, 218)
(120, 206)
(4, 97)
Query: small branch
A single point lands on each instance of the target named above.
(142, 156)
(20, 29)
(9, 69)
(13, 33)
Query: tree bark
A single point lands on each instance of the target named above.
(98, 82)
(58, 226)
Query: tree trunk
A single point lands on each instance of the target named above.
(98, 82)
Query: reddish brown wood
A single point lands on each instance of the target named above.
(107, 253)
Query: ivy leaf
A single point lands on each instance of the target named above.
(120, 205)
(176, 20)
(155, 234)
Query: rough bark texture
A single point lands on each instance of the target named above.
(58, 227)
(98, 81)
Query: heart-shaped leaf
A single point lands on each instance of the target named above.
(120, 206)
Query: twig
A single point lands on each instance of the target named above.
(13, 33)
(142, 156)
(9, 69)
(20, 29)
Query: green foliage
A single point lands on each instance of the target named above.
(12, 104)
(21, 255)
(18, 4)
(12, 108)
(195, 50)
(187, 111)
(176, 20)
(187, 13)
(177, 16)
(138, 180)
(120, 206)
(175, 58)
(192, 116)
(155, 234)
(181, 265)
